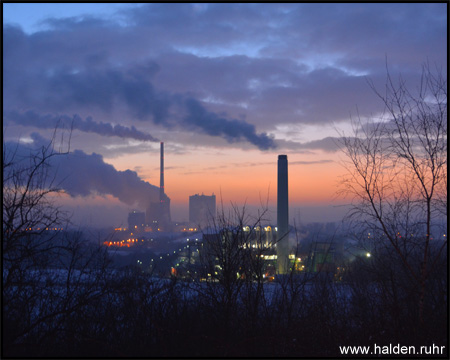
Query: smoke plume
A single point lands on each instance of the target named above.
(31, 118)
(231, 129)
(81, 174)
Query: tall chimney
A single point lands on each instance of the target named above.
(283, 216)
(161, 176)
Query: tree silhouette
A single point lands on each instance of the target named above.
(397, 177)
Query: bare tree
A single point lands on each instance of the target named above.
(28, 209)
(397, 174)
(50, 277)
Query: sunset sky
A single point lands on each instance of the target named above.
(227, 87)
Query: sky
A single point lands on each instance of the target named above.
(226, 87)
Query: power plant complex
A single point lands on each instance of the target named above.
(202, 210)
(202, 214)
(158, 213)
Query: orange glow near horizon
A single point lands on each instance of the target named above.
(237, 176)
(256, 184)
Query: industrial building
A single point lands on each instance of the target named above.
(202, 210)
(269, 243)
(136, 221)
(158, 213)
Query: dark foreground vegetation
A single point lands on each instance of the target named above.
(69, 301)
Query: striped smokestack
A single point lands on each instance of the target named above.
(282, 216)
(161, 176)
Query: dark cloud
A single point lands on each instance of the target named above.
(356, 33)
(328, 144)
(260, 64)
(297, 30)
(108, 88)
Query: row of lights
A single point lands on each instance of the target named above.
(126, 243)
(257, 228)
(47, 229)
